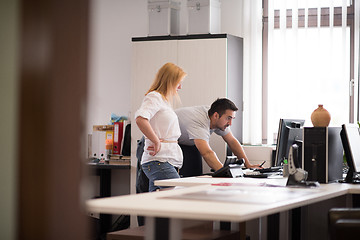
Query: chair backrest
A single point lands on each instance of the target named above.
(344, 223)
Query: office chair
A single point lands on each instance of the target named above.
(344, 223)
(192, 163)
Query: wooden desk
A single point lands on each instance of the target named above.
(104, 172)
(174, 206)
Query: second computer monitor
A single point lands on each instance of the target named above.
(289, 133)
(350, 137)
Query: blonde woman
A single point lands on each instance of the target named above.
(157, 120)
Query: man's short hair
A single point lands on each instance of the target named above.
(221, 105)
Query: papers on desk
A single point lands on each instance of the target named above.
(261, 184)
(251, 195)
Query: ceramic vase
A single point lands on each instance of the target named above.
(320, 117)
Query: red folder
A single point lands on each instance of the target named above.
(118, 136)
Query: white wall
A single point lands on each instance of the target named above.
(113, 24)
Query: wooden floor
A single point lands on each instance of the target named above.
(199, 232)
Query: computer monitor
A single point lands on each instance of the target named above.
(350, 138)
(289, 133)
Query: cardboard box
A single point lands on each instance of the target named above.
(204, 16)
(164, 17)
(97, 142)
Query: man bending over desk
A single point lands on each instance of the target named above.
(197, 123)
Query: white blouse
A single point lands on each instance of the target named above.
(165, 124)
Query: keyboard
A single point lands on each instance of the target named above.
(269, 170)
(354, 181)
(255, 174)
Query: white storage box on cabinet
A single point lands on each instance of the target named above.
(164, 17)
(204, 16)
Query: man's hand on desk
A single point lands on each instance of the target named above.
(257, 166)
(253, 166)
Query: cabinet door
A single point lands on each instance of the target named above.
(205, 61)
(148, 58)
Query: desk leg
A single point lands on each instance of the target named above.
(233, 226)
(273, 221)
(225, 225)
(273, 225)
(105, 191)
(162, 229)
(105, 182)
(356, 200)
(241, 227)
(296, 224)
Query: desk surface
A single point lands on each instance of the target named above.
(189, 203)
(207, 180)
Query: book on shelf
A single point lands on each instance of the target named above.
(119, 161)
(115, 156)
(118, 137)
(118, 157)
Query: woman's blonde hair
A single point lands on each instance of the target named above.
(166, 80)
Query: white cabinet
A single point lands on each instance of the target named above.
(214, 67)
(205, 63)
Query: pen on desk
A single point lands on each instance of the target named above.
(262, 163)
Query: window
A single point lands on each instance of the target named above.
(308, 59)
